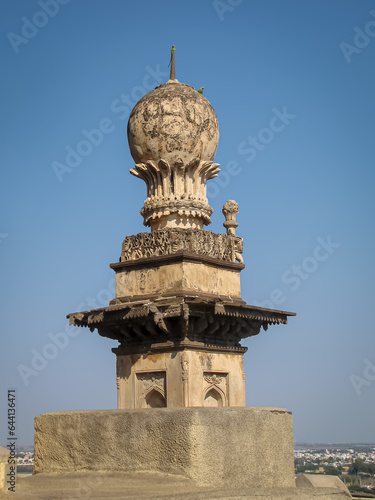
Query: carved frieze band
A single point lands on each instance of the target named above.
(170, 241)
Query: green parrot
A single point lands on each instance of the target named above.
(173, 50)
(201, 90)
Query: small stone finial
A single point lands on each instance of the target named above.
(230, 211)
(172, 63)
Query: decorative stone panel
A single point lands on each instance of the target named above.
(171, 241)
(150, 389)
(215, 389)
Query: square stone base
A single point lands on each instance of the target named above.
(241, 447)
(175, 273)
(180, 379)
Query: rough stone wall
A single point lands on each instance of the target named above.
(250, 446)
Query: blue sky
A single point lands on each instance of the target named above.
(305, 191)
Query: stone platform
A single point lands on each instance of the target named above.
(154, 486)
(191, 453)
(213, 447)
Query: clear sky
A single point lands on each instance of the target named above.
(292, 83)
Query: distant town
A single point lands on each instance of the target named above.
(353, 463)
(25, 460)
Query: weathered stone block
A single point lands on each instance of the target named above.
(248, 446)
(322, 481)
(159, 275)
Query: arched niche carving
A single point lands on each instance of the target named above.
(154, 399)
(151, 391)
(214, 397)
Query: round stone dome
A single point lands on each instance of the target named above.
(175, 123)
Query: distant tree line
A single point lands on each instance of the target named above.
(328, 469)
(355, 487)
(360, 466)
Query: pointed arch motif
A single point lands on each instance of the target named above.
(155, 399)
(214, 397)
(151, 391)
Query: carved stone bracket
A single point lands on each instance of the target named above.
(176, 319)
(173, 240)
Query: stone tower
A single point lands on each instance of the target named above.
(179, 319)
(178, 313)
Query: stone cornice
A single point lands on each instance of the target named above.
(180, 256)
(173, 347)
(190, 297)
(138, 325)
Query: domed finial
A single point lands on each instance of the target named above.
(173, 135)
(173, 70)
